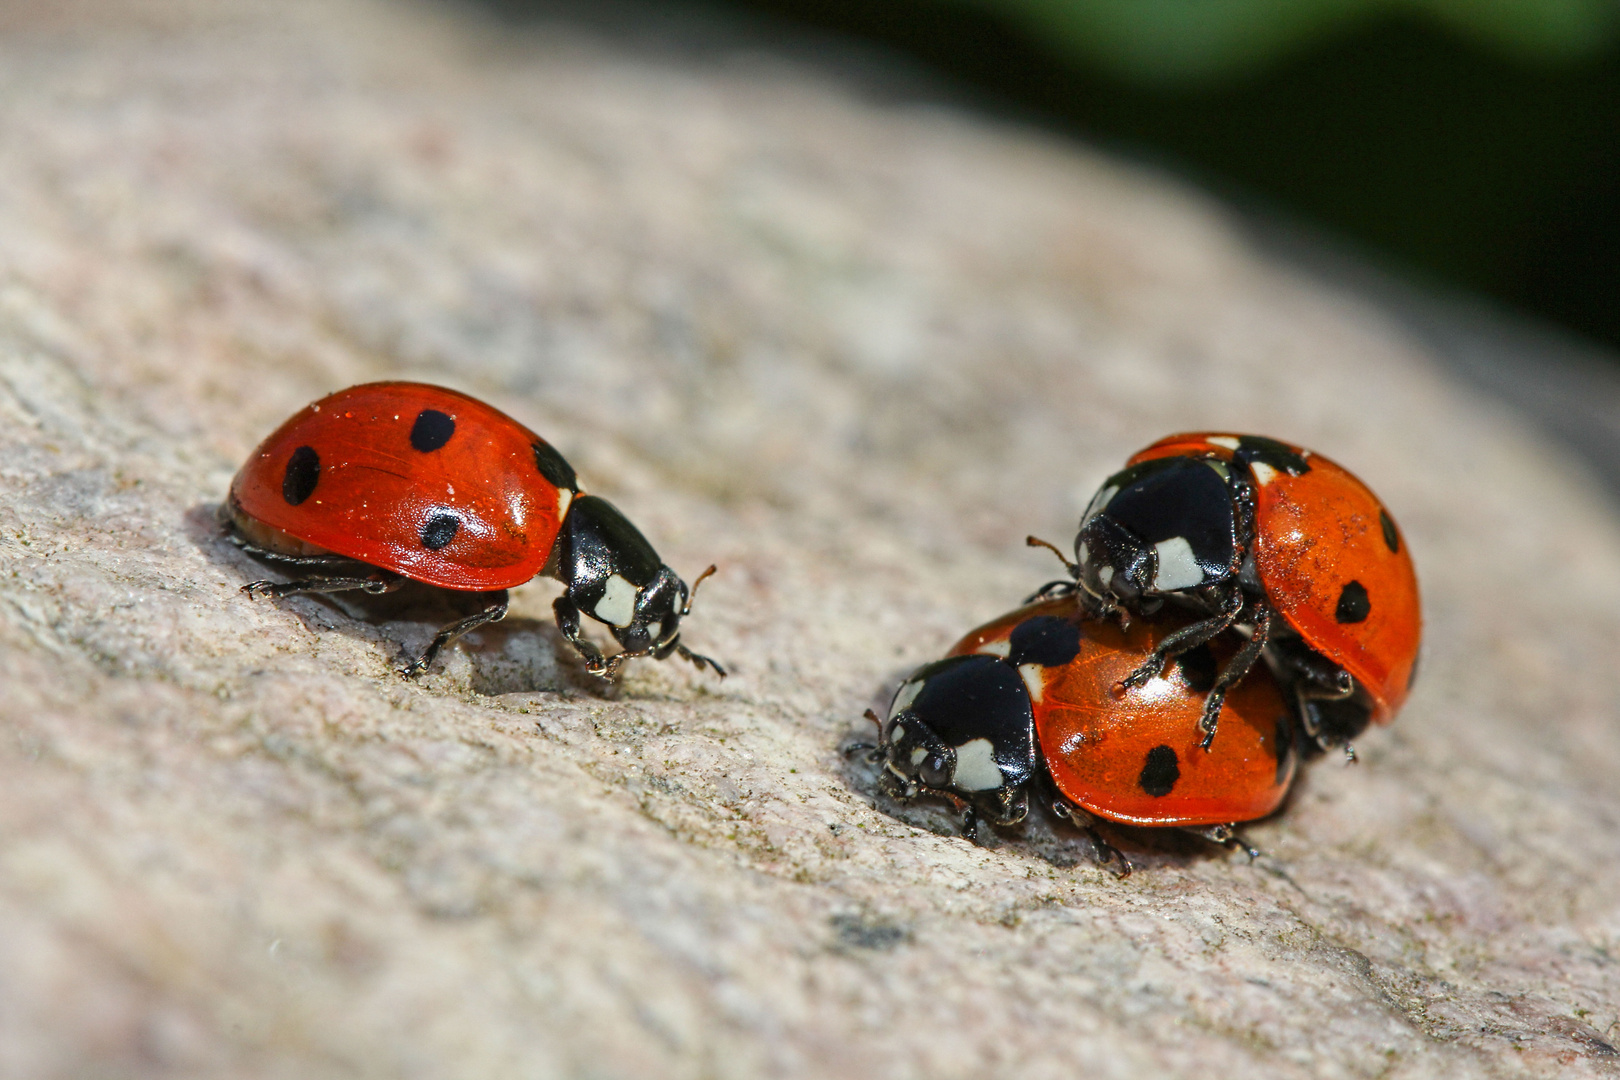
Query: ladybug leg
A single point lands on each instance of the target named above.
(970, 822)
(1052, 590)
(1329, 718)
(495, 612)
(326, 561)
(873, 751)
(699, 660)
(1086, 823)
(376, 584)
(1325, 697)
(1188, 637)
(1225, 835)
(1235, 669)
(568, 622)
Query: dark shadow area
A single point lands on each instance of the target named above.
(1443, 157)
(515, 655)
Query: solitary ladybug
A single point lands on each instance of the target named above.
(392, 481)
(1030, 699)
(1277, 541)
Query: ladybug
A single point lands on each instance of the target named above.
(394, 481)
(1033, 697)
(1273, 539)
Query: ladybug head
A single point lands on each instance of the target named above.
(914, 757)
(962, 704)
(963, 727)
(614, 575)
(661, 604)
(1159, 527)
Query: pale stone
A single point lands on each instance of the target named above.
(852, 350)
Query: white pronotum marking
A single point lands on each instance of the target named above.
(1035, 679)
(1105, 574)
(1001, 647)
(1228, 441)
(903, 699)
(1263, 473)
(1177, 567)
(976, 768)
(918, 753)
(564, 497)
(1084, 554)
(618, 604)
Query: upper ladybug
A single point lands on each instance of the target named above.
(391, 481)
(1245, 529)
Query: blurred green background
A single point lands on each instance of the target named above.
(1468, 143)
(1472, 142)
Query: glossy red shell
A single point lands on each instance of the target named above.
(1315, 534)
(1136, 758)
(374, 493)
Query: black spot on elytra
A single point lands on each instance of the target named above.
(1392, 539)
(1159, 772)
(1278, 455)
(1353, 603)
(558, 473)
(1198, 667)
(431, 430)
(303, 473)
(439, 530)
(1046, 640)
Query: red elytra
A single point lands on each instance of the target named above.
(371, 494)
(1314, 534)
(1135, 756)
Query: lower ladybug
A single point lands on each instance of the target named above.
(1248, 531)
(395, 481)
(1034, 697)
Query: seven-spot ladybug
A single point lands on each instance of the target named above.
(1037, 692)
(391, 481)
(1245, 529)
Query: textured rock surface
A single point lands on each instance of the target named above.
(852, 351)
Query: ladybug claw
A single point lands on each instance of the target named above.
(698, 660)
(871, 751)
(1227, 836)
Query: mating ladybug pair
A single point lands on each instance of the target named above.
(1207, 553)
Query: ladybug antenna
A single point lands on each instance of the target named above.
(691, 596)
(1035, 541)
(872, 716)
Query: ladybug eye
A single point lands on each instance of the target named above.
(935, 770)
